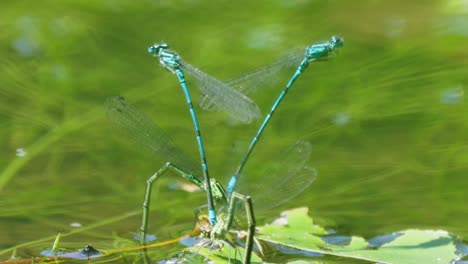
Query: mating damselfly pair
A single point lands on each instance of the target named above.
(288, 178)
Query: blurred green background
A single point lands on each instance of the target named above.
(387, 117)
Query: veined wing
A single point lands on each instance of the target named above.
(288, 178)
(148, 135)
(263, 77)
(237, 105)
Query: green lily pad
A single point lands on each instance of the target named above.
(294, 235)
(407, 246)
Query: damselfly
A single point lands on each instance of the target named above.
(133, 121)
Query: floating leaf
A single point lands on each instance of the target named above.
(407, 246)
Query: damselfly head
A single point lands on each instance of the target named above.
(156, 48)
(337, 42)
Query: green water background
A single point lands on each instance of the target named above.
(387, 118)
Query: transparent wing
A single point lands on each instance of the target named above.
(147, 134)
(291, 188)
(263, 77)
(288, 178)
(237, 105)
